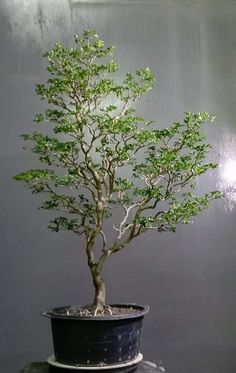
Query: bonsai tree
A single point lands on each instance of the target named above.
(101, 155)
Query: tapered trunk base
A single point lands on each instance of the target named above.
(100, 292)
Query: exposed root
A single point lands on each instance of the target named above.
(102, 310)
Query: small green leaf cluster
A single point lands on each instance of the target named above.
(179, 150)
(179, 211)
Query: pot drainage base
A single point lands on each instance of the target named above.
(52, 361)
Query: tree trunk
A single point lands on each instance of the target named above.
(96, 270)
(100, 290)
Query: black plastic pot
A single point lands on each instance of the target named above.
(97, 340)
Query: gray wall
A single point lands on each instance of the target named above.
(188, 278)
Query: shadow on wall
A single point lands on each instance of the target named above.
(33, 28)
(37, 19)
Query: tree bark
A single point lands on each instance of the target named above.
(100, 289)
(96, 269)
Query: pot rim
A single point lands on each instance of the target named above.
(141, 311)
